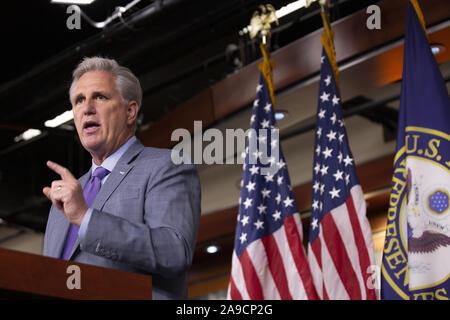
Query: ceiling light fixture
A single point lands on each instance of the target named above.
(73, 1)
(280, 114)
(59, 120)
(291, 7)
(27, 135)
(437, 48)
(212, 249)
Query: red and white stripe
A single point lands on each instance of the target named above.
(274, 267)
(340, 256)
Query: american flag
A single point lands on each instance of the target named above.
(268, 261)
(340, 246)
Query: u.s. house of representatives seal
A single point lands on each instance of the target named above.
(417, 246)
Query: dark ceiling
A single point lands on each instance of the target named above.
(177, 48)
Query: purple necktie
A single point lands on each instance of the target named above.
(90, 192)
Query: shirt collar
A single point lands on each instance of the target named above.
(112, 160)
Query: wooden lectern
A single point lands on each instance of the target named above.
(24, 275)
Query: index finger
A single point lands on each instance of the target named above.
(62, 171)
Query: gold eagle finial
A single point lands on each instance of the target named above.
(261, 21)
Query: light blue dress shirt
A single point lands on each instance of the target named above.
(108, 164)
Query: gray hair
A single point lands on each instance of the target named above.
(127, 83)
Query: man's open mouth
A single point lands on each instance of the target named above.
(91, 126)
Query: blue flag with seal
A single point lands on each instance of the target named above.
(416, 256)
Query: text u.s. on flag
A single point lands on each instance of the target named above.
(416, 256)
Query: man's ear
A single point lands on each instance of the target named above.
(132, 112)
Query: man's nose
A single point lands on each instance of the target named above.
(89, 106)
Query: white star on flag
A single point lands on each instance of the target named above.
(325, 96)
(250, 186)
(315, 205)
(334, 193)
(324, 170)
(244, 220)
(314, 224)
(318, 150)
(254, 170)
(348, 160)
(338, 175)
(333, 118)
(259, 87)
(266, 193)
(259, 224)
(317, 168)
(281, 164)
(316, 186)
(288, 202)
(248, 203)
(280, 180)
(243, 237)
(347, 179)
(322, 113)
(277, 215)
(331, 135)
(335, 100)
(278, 198)
(327, 152)
(265, 124)
(261, 208)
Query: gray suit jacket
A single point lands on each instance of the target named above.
(145, 219)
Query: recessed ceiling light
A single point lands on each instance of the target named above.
(212, 249)
(280, 114)
(437, 48)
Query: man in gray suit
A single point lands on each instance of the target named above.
(135, 210)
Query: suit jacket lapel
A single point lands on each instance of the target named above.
(120, 171)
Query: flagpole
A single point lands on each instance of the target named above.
(419, 13)
(261, 25)
(327, 39)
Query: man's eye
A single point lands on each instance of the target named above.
(101, 97)
(79, 100)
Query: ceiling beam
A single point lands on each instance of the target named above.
(300, 60)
